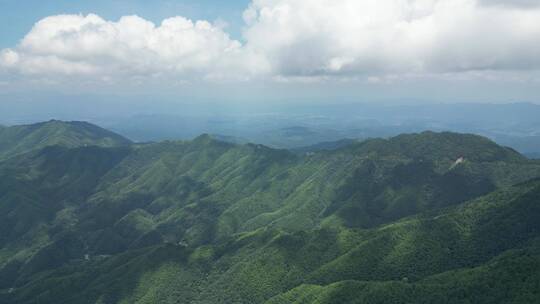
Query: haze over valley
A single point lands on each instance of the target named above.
(293, 126)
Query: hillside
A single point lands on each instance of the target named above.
(468, 252)
(484, 251)
(20, 139)
(207, 221)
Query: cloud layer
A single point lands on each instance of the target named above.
(288, 39)
(319, 37)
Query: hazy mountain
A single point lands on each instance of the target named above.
(533, 155)
(525, 144)
(326, 146)
(428, 217)
(295, 126)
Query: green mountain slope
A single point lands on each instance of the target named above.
(485, 250)
(510, 278)
(206, 221)
(20, 139)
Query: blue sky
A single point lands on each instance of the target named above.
(18, 16)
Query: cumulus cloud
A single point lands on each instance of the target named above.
(91, 46)
(286, 39)
(314, 37)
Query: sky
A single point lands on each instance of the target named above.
(271, 50)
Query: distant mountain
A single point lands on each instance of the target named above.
(295, 137)
(428, 217)
(533, 155)
(230, 139)
(20, 139)
(515, 125)
(524, 144)
(326, 146)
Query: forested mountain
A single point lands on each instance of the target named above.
(424, 218)
(19, 139)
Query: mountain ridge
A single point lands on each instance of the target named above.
(24, 138)
(208, 221)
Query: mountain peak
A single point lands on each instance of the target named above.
(24, 138)
(208, 139)
(440, 145)
(203, 137)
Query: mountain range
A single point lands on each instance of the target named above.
(87, 216)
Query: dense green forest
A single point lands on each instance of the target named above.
(86, 216)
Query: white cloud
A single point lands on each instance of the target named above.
(9, 58)
(318, 37)
(89, 45)
(291, 39)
